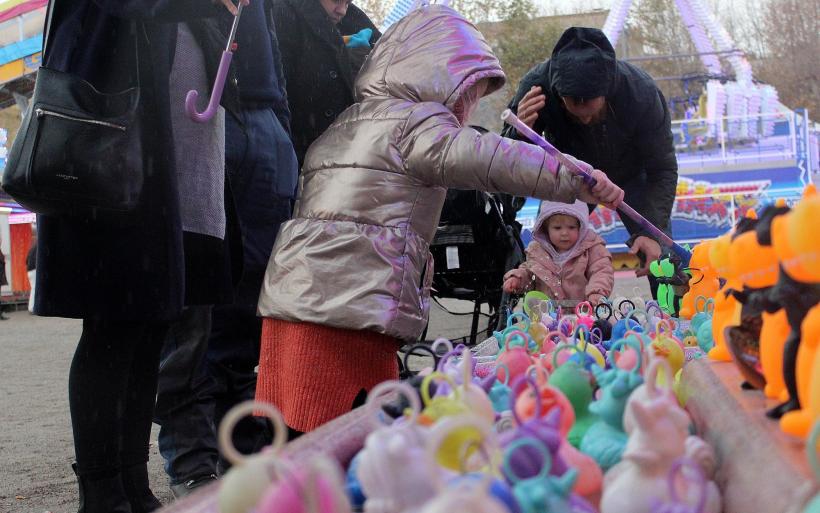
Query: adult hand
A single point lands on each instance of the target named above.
(604, 192)
(231, 6)
(650, 249)
(530, 105)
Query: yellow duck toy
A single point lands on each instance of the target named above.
(798, 287)
(799, 422)
(727, 308)
(806, 246)
(704, 281)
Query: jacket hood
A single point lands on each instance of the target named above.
(583, 64)
(431, 55)
(578, 210)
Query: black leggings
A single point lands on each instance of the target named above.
(112, 387)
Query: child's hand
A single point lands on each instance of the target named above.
(604, 192)
(595, 299)
(516, 281)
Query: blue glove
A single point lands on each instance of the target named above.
(361, 39)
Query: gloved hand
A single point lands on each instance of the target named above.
(360, 39)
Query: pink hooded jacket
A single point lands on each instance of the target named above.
(584, 270)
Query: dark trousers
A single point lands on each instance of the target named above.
(220, 366)
(111, 388)
(184, 408)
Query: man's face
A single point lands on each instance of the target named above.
(587, 111)
(335, 9)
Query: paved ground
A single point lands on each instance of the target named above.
(36, 447)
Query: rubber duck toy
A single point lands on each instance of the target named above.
(798, 286)
(755, 268)
(704, 281)
(799, 422)
(727, 309)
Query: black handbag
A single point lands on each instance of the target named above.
(79, 150)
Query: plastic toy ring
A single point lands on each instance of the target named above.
(374, 402)
(235, 414)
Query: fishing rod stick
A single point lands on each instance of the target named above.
(508, 117)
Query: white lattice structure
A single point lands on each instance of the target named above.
(740, 98)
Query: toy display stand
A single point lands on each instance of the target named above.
(761, 469)
(340, 439)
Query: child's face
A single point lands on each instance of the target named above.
(563, 231)
(468, 101)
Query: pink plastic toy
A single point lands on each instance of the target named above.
(394, 469)
(674, 504)
(650, 391)
(307, 488)
(583, 312)
(659, 437)
(515, 357)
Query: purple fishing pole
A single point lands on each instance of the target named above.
(508, 117)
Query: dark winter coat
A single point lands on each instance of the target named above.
(3, 279)
(319, 69)
(633, 145)
(130, 269)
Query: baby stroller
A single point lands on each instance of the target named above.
(477, 241)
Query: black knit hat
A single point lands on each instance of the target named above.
(583, 64)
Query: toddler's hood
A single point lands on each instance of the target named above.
(431, 55)
(578, 210)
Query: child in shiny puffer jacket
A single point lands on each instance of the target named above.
(349, 278)
(566, 259)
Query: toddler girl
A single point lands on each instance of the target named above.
(566, 259)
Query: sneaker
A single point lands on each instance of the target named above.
(188, 487)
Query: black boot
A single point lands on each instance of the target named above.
(137, 489)
(102, 493)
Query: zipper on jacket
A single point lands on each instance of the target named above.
(43, 112)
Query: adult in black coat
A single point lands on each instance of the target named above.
(319, 69)
(610, 114)
(125, 278)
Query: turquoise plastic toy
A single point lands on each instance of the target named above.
(542, 492)
(605, 439)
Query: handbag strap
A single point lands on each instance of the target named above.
(48, 33)
(47, 28)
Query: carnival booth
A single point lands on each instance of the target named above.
(16, 238)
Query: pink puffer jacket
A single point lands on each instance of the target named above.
(584, 270)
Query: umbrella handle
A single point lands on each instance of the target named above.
(216, 95)
(219, 81)
(508, 117)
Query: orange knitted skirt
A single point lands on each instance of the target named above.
(313, 373)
